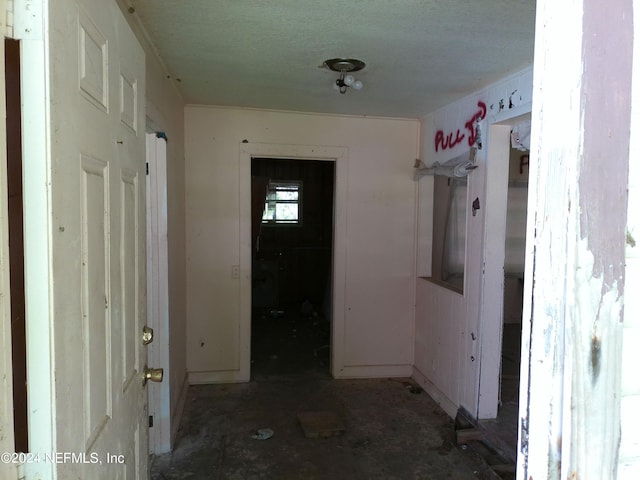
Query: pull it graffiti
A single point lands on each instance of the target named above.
(444, 142)
(449, 141)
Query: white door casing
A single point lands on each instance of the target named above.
(340, 156)
(7, 470)
(158, 290)
(89, 398)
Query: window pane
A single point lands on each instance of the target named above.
(269, 211)
(287, 211)
(287, 194)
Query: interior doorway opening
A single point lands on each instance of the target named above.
(504, 266)
(292, 211)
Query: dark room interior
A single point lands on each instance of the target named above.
(291, 266)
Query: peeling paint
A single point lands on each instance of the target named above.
(603, 176)
(596, 337)
(595, 357)
(630, 240)
(580, 266)
(554, 464)
(524, 436)
(596, 331)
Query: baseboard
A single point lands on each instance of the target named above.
(434, 392)
(176, 414)
(225, 376)
(373, 371)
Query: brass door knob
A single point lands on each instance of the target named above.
(147, 335)
(153, 374)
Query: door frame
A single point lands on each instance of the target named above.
(339, 155)
(158, 291)
(31, 28)
(492, 296)
(6, 378)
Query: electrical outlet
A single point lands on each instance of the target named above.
(235, 271)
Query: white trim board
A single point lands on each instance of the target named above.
(7, 470)
(158, 292)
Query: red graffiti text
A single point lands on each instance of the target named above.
(449, 141)
(444, 142)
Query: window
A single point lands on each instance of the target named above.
(283, 205)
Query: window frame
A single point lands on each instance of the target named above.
(272, 187)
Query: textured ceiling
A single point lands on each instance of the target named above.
(419, 54)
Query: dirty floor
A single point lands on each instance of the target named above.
(392, 429)
(391, 433)
(502, 432)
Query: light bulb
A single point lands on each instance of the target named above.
(357, 85)
(348, 80)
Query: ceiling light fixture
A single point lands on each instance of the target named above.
(345, 66)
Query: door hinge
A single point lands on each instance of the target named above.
(150, 421)
(147, 166)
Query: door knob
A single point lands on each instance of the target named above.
(147, 335)
(153, 374)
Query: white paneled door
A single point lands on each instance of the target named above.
(96, 243)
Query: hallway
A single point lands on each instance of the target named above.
(392, 429)
(391, 433)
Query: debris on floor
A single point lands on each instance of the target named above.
(262, 434)
(470, 435)
(322, 424)
(464, 436)
(388, 433)
(413, 388)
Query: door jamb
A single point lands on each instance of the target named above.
(37, 230)
(158, 291)
(6, 379)
(492, 308)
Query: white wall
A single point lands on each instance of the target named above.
(448, 334)
(165, 112)
(374, 238)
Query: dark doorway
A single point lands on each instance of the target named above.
(16, 242)
(292, 240)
